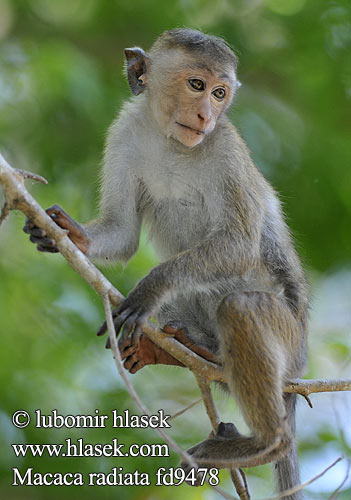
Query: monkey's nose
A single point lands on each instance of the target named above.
(204, 111)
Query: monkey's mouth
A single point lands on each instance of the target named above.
(198, 132)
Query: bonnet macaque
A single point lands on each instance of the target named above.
(230, 285)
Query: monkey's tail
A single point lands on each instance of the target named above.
(287, 468)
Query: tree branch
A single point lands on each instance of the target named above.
(18, 198)
(306, 387)
(131, 390)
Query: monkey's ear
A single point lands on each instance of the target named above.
(136, 69)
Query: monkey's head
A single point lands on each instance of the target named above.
(190, 79)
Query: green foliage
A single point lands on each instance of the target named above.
(61, 84)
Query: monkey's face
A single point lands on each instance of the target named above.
(188, 101)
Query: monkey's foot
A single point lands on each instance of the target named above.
(137, 353)
(141, 351)
(199, 454)
(228, 448)
(206, 453)
(177, 330)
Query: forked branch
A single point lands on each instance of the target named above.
(18, 198)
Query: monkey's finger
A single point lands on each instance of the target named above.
(39, 233)
(47, 249)
(136, 367)
(136, 333)
(29, 224)
(56, 210)
(44, 242)
(61, 221)
(121, 318)
(34, 230)
(129, 340)
(59, 216)
(122, 307)
(129, 324)
(124, 342)
(131, 361)
(102, 329)
(128, 351)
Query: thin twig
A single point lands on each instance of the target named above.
(307, 399)
(223, 493)
(239, 480)
(237, 476)
(334, 495)
(300, 487)
(30, 175)
(243, 475)
(17, 197)
(145, 411)
(180, 412)
(131, 390)
(208, 402)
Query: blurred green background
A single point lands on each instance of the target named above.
(61, 84)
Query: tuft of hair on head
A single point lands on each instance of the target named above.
(196, 42)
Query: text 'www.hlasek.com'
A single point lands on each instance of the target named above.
(114, 448)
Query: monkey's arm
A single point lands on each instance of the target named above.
(115, 233)
(113, 238)
(109, 237)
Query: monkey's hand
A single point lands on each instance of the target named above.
(134, 310)
(75, 232)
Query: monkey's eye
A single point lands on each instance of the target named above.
(219, 93)
(196, 84)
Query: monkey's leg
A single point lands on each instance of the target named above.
(143, 351)
(256, 332)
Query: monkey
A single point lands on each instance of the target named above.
(229, 285)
